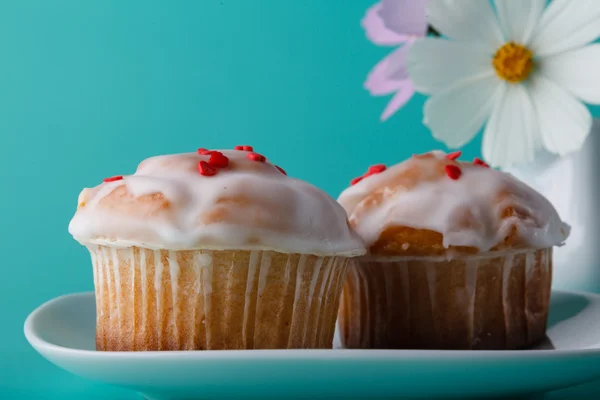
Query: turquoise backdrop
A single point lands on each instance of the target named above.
(90, 88)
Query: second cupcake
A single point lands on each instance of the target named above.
(460, 257)
(214, 250)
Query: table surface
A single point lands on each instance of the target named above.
(26, 375)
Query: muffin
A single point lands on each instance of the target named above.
(459, 257)
(214, 250)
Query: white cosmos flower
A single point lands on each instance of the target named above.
(522, 67)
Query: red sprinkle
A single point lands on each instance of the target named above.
(356, 180)
(453, 172)
(281, 170)
(454, 156)
(206, 169)
(218, 159)
(256, 157)
(478, 161)
(204, 152)
(243, 148)
(113, 178)
(375, 169)
(238, 148)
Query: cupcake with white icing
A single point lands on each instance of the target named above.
(460, 257)
(214, 250)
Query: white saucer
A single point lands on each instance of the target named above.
(62, 330)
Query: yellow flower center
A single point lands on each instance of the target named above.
(513, 62)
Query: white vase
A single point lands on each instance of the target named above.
(572, 184)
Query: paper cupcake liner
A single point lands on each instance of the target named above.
(495, 301)
(201, 300)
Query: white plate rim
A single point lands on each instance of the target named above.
(297, 354)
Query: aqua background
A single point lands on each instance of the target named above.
(90, 88)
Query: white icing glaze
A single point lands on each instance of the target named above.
(168, 204)
(436, 202)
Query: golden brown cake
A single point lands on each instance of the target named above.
(460, 257)
(214, 250)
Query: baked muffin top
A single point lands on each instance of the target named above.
(434, 205)
(225, 199)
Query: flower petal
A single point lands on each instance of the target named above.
(434, 64)
(405, 92)
(519, 18)
(577, 71)
(471, 21)
(564, 121)
(397, 63)
(376, 30)
(510, 136)
(405, 17)
(566, 25)
(389, 74)
(456, 114)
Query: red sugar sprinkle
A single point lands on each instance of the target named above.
(113, 178)
(243, 148)
(478, 161)
(206, 169)
(453, 172)
(281, 170)
(218, 159)
(454, 156)
(377, 168)
(356, 180)
(256, 157)
(238, 148)
(204, 152)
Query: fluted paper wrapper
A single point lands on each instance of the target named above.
(499, 301)
(209, 300)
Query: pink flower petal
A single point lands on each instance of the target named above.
(394, 22)
(389, 74)
(404, 94)
(376, 31)
(378, 82)
(404, 17)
